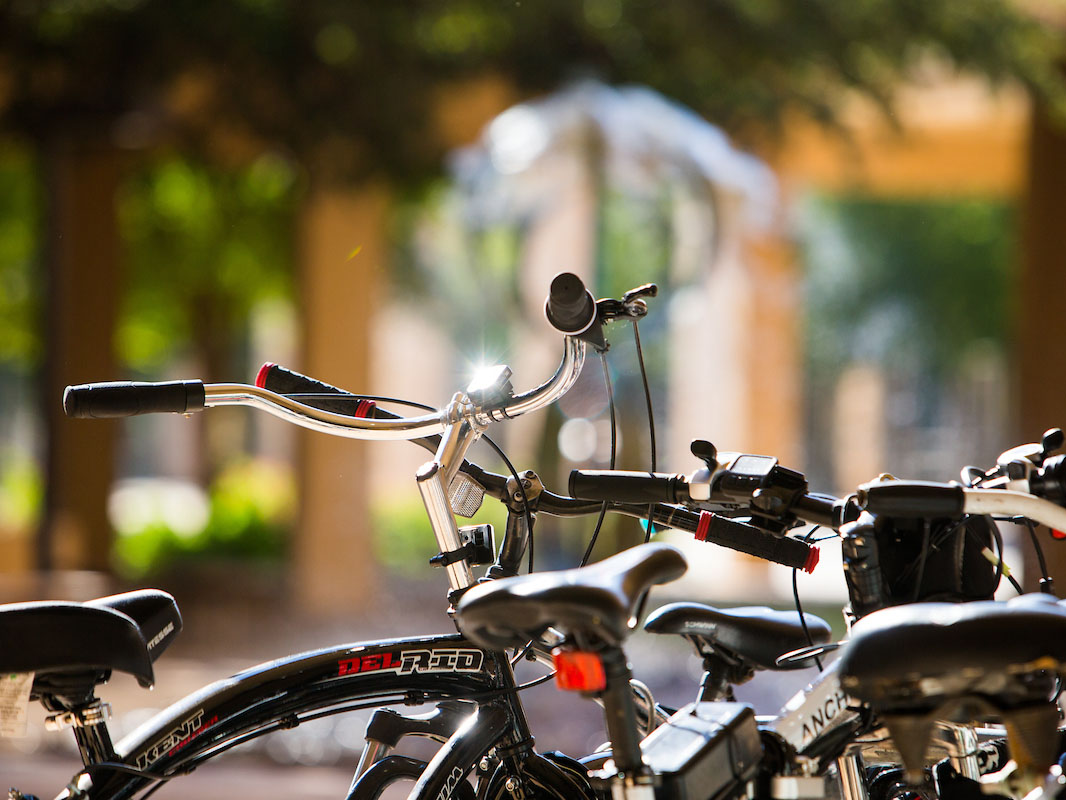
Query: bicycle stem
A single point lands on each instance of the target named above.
(433, 479)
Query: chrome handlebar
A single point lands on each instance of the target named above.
(462, 408)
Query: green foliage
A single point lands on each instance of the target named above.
(403, 540)
(21, 491)
(204, 246)
(635, 241)
(907, 282)
(20, 289)
(350, 85)
(252, 510)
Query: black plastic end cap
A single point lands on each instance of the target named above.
(570, 307)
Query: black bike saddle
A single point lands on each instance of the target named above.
(124, 632)
(756, 635)
(598, 601)
(913, 657)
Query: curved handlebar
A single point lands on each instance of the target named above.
(121, 399)
(620, 486)
(928, 499)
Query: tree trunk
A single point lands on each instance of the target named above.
(1041, 327)
(81, 256)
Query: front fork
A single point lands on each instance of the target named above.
(469, 732)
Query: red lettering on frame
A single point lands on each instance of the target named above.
(374, 662)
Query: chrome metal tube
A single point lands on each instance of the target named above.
(1014, 504)
(454, 443)
(238, 394)
(960, 741)
(551, 390)
(435, 498)
(852, 774)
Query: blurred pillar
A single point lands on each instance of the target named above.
(858, 430)
(82, 255)
(343, 261)
(774, 361)
(743, 387)
(1041, 326)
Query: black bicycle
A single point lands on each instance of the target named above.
(938, 689)
(64, 651)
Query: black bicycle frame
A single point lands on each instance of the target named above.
(282, 694)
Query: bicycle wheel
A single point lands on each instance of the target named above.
(551, 776)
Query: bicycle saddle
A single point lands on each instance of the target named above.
(598, 601)
(915, 656)
(755, 635)
(124, 632)
(918, 663)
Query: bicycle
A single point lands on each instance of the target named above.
(880, 679)
(478, 720)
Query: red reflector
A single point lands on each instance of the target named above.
(812, 559)
(1057, 534)
(578, 671)
(261, 376)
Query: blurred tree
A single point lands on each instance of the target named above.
(354, 84)
(353, 90)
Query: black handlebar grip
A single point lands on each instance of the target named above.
(757, 542)
(130, 398)
(316, 393)
(570, 308)
(1049, 481)
(282, 380)
(912, 499)
(618, 486)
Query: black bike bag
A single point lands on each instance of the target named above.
(704, 751)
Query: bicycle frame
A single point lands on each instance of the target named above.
(283, 693)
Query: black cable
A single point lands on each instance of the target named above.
(535, 682)
(614, 444)
(1000, 572)
(126, 769)
(522, 491)
(651, 423)
(799, 605)
(1039, 550)
(520, 654)
(923, 557)
(490, 443)
(932, 545)
(998, 538)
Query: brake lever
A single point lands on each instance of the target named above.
(631, 306)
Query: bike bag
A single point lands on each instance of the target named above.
(890, 561)
(704, 751)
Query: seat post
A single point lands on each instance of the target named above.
(88, 718)
(620, 713)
